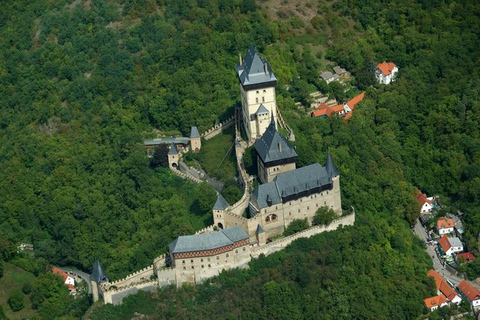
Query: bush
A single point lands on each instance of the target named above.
(1, 269)
(16, 301)
(27, 288)
(324, 216)
(297, 225)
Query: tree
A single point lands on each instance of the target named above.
(3, 316)
(160, 156)
(1, 269)
(206, 197)
(295, 226)
(324, 216)
(16, 301)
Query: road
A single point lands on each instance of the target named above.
(81, 274)
(437, 263)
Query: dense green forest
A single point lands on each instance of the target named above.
(83, 82)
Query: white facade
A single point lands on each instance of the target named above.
(443, 231)
(255, 125)
(383, 78)
(427, 207)
(70, 281)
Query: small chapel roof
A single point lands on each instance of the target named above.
(254, 69)
(272, 146)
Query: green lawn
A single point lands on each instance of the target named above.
(14, 278)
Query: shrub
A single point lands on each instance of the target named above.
(16, 301)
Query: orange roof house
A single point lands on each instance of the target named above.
(443, 287)
(352, 102)
(466, 256)
(386, 67)
(343, 110)
(67, 280)
(425, 203)
(444, 243)
(470, 292)
(445, 223)
(435, 302)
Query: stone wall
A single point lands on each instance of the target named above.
(185, 176)
(115, 296)
(136, 277)
(215, 130)
(206, 229)
(282, 243)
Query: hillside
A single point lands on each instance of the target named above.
(83, 82)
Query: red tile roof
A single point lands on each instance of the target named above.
(443, 223)
(337, 109)
(386, 67)
(421, 198)
(64, 275)
(444, 243)
(442, 285)
(348, 116)
(469, 291)
(352, 102)
(466, 256)
(436, 301)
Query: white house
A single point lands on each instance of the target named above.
(450, 245)
(471, 293)
(443, 288)
(445, 226)
(386, 72)
(426, 203)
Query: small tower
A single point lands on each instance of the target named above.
(291, 136)
(219, 209)
(261, 236)
(195, 140)
(97, 277)
(257, 88)
(334, 174)
(173, 156)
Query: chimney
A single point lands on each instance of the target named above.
(240, 58)
(280, 147)
(265, 68)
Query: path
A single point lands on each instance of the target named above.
(200, 174)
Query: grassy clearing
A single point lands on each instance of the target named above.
(14, 278)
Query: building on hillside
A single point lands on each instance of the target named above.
(201, 256)
(433, 303)
(329, 77)
(182, 144)
(471, 293)
(274, 154)
(444, 288)
(464, 257)
(344, 110)
(257, 88)
(386, 72)
(67, 279)
(426, 203)
(341, 72)
(173, 156)
(450, 246)
(445, 226)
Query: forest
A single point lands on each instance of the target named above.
(83, 82)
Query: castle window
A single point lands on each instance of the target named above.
(321, 194)
(243, 248)
(227, 255)
(308, 208)
(193, 267)
(183, 261)
(208, 259)
(327, 192)
(324, 202)
(256, 100)
(218, 257)
(236, 250)
(191, 261)
(202, 266)
(257, 91)
(290, 213)
(184, 268)
(209, 266)
(264, 91)
(298, 210)
(263, 99)
(271, 218)
(317, 205)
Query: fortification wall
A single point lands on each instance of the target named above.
(116, 296)
(136, 277)
(166, 277)
(282, 123)
(206, 229)
(282, 243)
(232, 219)
(215, 130)
(159, 262)
(185, 176)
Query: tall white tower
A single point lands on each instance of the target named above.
(257, 87)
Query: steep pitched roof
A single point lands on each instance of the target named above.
(444, 243)
(421, 198)
(332, 170)
(261, 110)
(386, 67)
(466, 256)
(272, 146)
(444, 223)
(469, 291)
(254, 69)
(436, 301)
(98, 274)
(194, 132)
(352, 102)
(259, 229)
(173, 149)
(442, 285)
(60, 272)
(221, 203)
(290, 183)
(208, 241)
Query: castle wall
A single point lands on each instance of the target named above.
(116, 296)
(215, 130)
(195, 144)
(136, 277)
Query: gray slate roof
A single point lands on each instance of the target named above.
(173, 149)
(267, 145)
(260, 229)
(176, 140)
(208, 241)
(290, 183)
(327, 75)
(339, 70)
(98, 275)
(252, 71)
(194, 133)
(221, 203)
(455, 242)
(332, 170)
(262, 110)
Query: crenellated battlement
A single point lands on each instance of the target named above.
(210, 228)
(215, 130)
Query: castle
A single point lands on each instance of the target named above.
(287, 193)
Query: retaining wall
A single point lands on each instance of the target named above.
(185, 176)
(115, 296)
(215, 130)
(138, 276)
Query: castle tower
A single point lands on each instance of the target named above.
(260, 235)
(334, 174)
(274, 154)
(96, 278)
(195, 140)
(173, 156)
(219, 211)
(257, 88)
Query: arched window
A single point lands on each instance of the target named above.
(271, 218)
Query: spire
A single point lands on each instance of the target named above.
(98, 275)
(332, 170)
(272, 120)
(221, 203)
(173, 149)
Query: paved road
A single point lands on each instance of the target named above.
(437, 263)
(81, 274)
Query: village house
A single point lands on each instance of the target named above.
(445, 226)
(433, 303)
(341, 72)
(443, 288)
(329, 77)
(465, 257)
(344, 110)
(386, 72)
(450, 245)
(67, 279)
(426, 203)
(471, 293)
